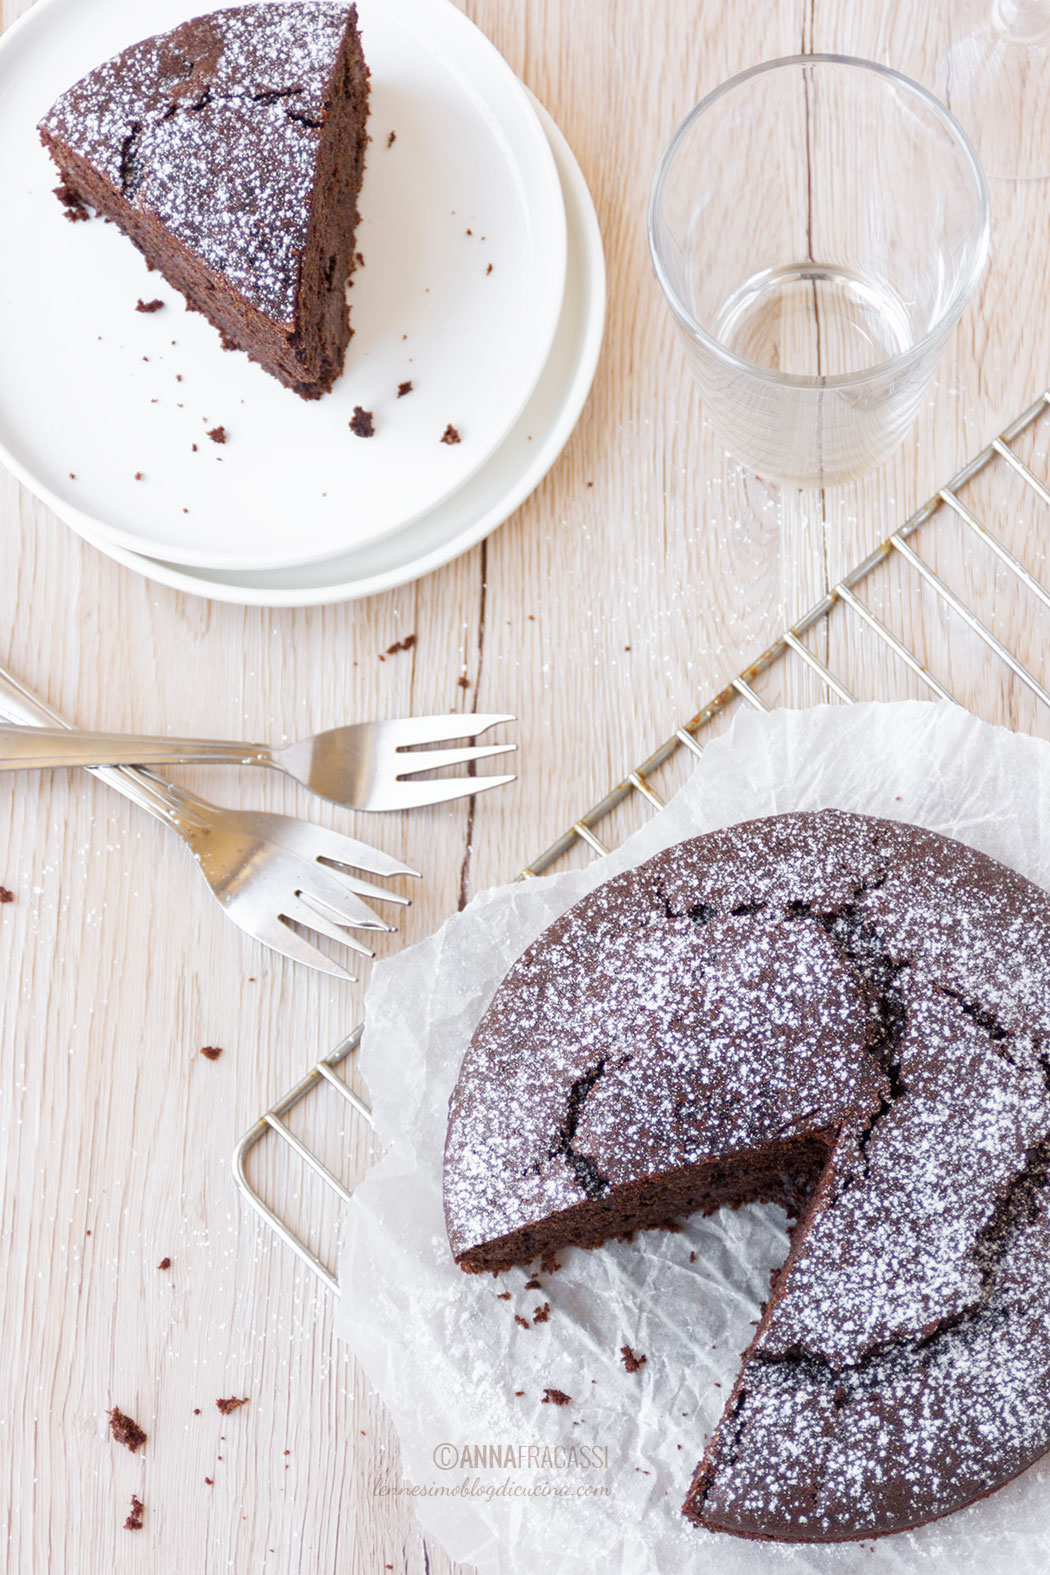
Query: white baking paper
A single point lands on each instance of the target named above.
(446, 1355)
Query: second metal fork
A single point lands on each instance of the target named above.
(365, 766)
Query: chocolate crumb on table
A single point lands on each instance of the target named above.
(488, 270)
(134, 1520)
(463, 681)
(556, 1397)
(503, 1296)
(149, 306)
(518, 1393)
(361, 423)
(138, 475)
(211, 1052)
(126, 1431)
(450, 435)
(391, 139)
(359, 259)
(165, 1263)
(404, 388)
(631, 1360)
(533, 1284)
(542, 1314)
(5, 895)
(232, 1404)
(218, 434)
(524, 1322)
(401, 645)
(208, 1482)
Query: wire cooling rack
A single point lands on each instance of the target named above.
(921, 617)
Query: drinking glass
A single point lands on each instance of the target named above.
(817, 224)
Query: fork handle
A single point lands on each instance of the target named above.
(20, 705)
(37, 748)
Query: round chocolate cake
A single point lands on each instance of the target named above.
(847, 1016)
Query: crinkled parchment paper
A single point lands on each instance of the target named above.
(446, 1355)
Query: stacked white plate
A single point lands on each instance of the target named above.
(482, 286)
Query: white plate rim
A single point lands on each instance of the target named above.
(97, 530)
(178, 578)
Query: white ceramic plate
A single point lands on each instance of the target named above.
(495, 492)
(89, 386)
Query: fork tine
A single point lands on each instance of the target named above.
(364, 888)
(338, 894)
(311, 916)
(280, 937)
(340, 849)
(436, 759)
(341, 895)
(416, 795)
(403, 732)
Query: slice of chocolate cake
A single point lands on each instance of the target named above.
(231, 152)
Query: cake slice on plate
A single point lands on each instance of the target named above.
(231, 152)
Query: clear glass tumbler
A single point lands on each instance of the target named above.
(817, 225)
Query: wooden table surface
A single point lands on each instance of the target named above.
(601, 615)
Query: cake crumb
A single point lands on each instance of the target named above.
(208, 1482)
(404, 388)
(631, 1360)
(125, 1431)
(450, 435)
(196, 1410)
(533, 1284)
(218, 434)
(463, 681)
(5, 895)
(401, 645)
(165, 1263)
(488, 270)
(391, 139)
(692, 1257)
(542, 1314)
(556, 1397)
(549, 1263)
(503, 1296)
(524, 1322)
(134, 1520)
(138, 475)
(232, 1404)
(71, 202)
(518, 1393)
(211, 1052)
(361, 423)
(149, 306)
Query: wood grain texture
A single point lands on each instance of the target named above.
(645, 570)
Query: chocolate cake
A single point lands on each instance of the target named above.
(231, 152)
(846, 1016)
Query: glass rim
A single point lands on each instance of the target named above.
(946, 319)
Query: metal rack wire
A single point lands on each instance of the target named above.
(637, 785)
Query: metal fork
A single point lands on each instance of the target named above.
(267, 871)
(364, 766)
